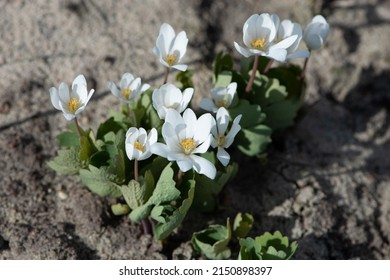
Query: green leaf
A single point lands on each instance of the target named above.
(120, 209)
(172, 221)
(87, 148)
(137, 193)
(100, 181)
(223, 79)
(267, 247)
(110, 125)
(282, 114)
(249, 250)
(185, 79)
(276, 246)
(151, 118)
(68, 139)
(213, 241)
(253, 141)
(242, 225)
(67, 161)
(165, 191)
(222, 62)
(252, 114)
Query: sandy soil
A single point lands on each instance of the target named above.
(326, 183)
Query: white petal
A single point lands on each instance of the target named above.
(129, 151)
(180, 44)
(132, 135)
(299, 54)
(79, 89)
(175, 119)
(203, 127)
(222, 120)
(231, 90)
(203, 166)
(180, 67)
(190, 120)
(249, 29)
(114, 89)
(233, 131)
(203, 147)
(126, 80)
(160, 150)
(207, 105)
(63, 93)
(243, 51)
(187, 95)
(284, 44)
(313, 41)
(152, 137)
(277, 54)
(167, 35)
(171, 137)
(69, 116)
(55, 100)
(185, 165)
(223, 156)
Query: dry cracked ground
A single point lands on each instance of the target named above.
(326, 183)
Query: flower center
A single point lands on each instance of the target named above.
(126, 93)
(259, 43)
(221, 102)
(73, 105)
(188, 145)
(139, 146)
(170, 59)
(221, 141)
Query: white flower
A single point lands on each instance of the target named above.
(73, 102)
(138, 143)
(287, 29)
(259, 33)
(130, 88)
(316, 32)
(185, 137)
(170, 48)
(221, 140)
(169, 96)
(220, 97)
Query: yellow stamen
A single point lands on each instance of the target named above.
(126, 93)
(188, 145)
(139, 146)
(73, 105)
(221, 141)
(259, 43)
(221, 102)
(170, 59)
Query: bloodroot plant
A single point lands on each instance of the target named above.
(158, 158)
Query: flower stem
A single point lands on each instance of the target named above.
(268, 66)
(166, 75)
(179, 177)
(136, 170)
(304, 67)
(145, 226)
(253, 75)
(78, 127)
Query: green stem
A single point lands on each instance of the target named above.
(179, 177)
(252, 78)
(78, 127)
